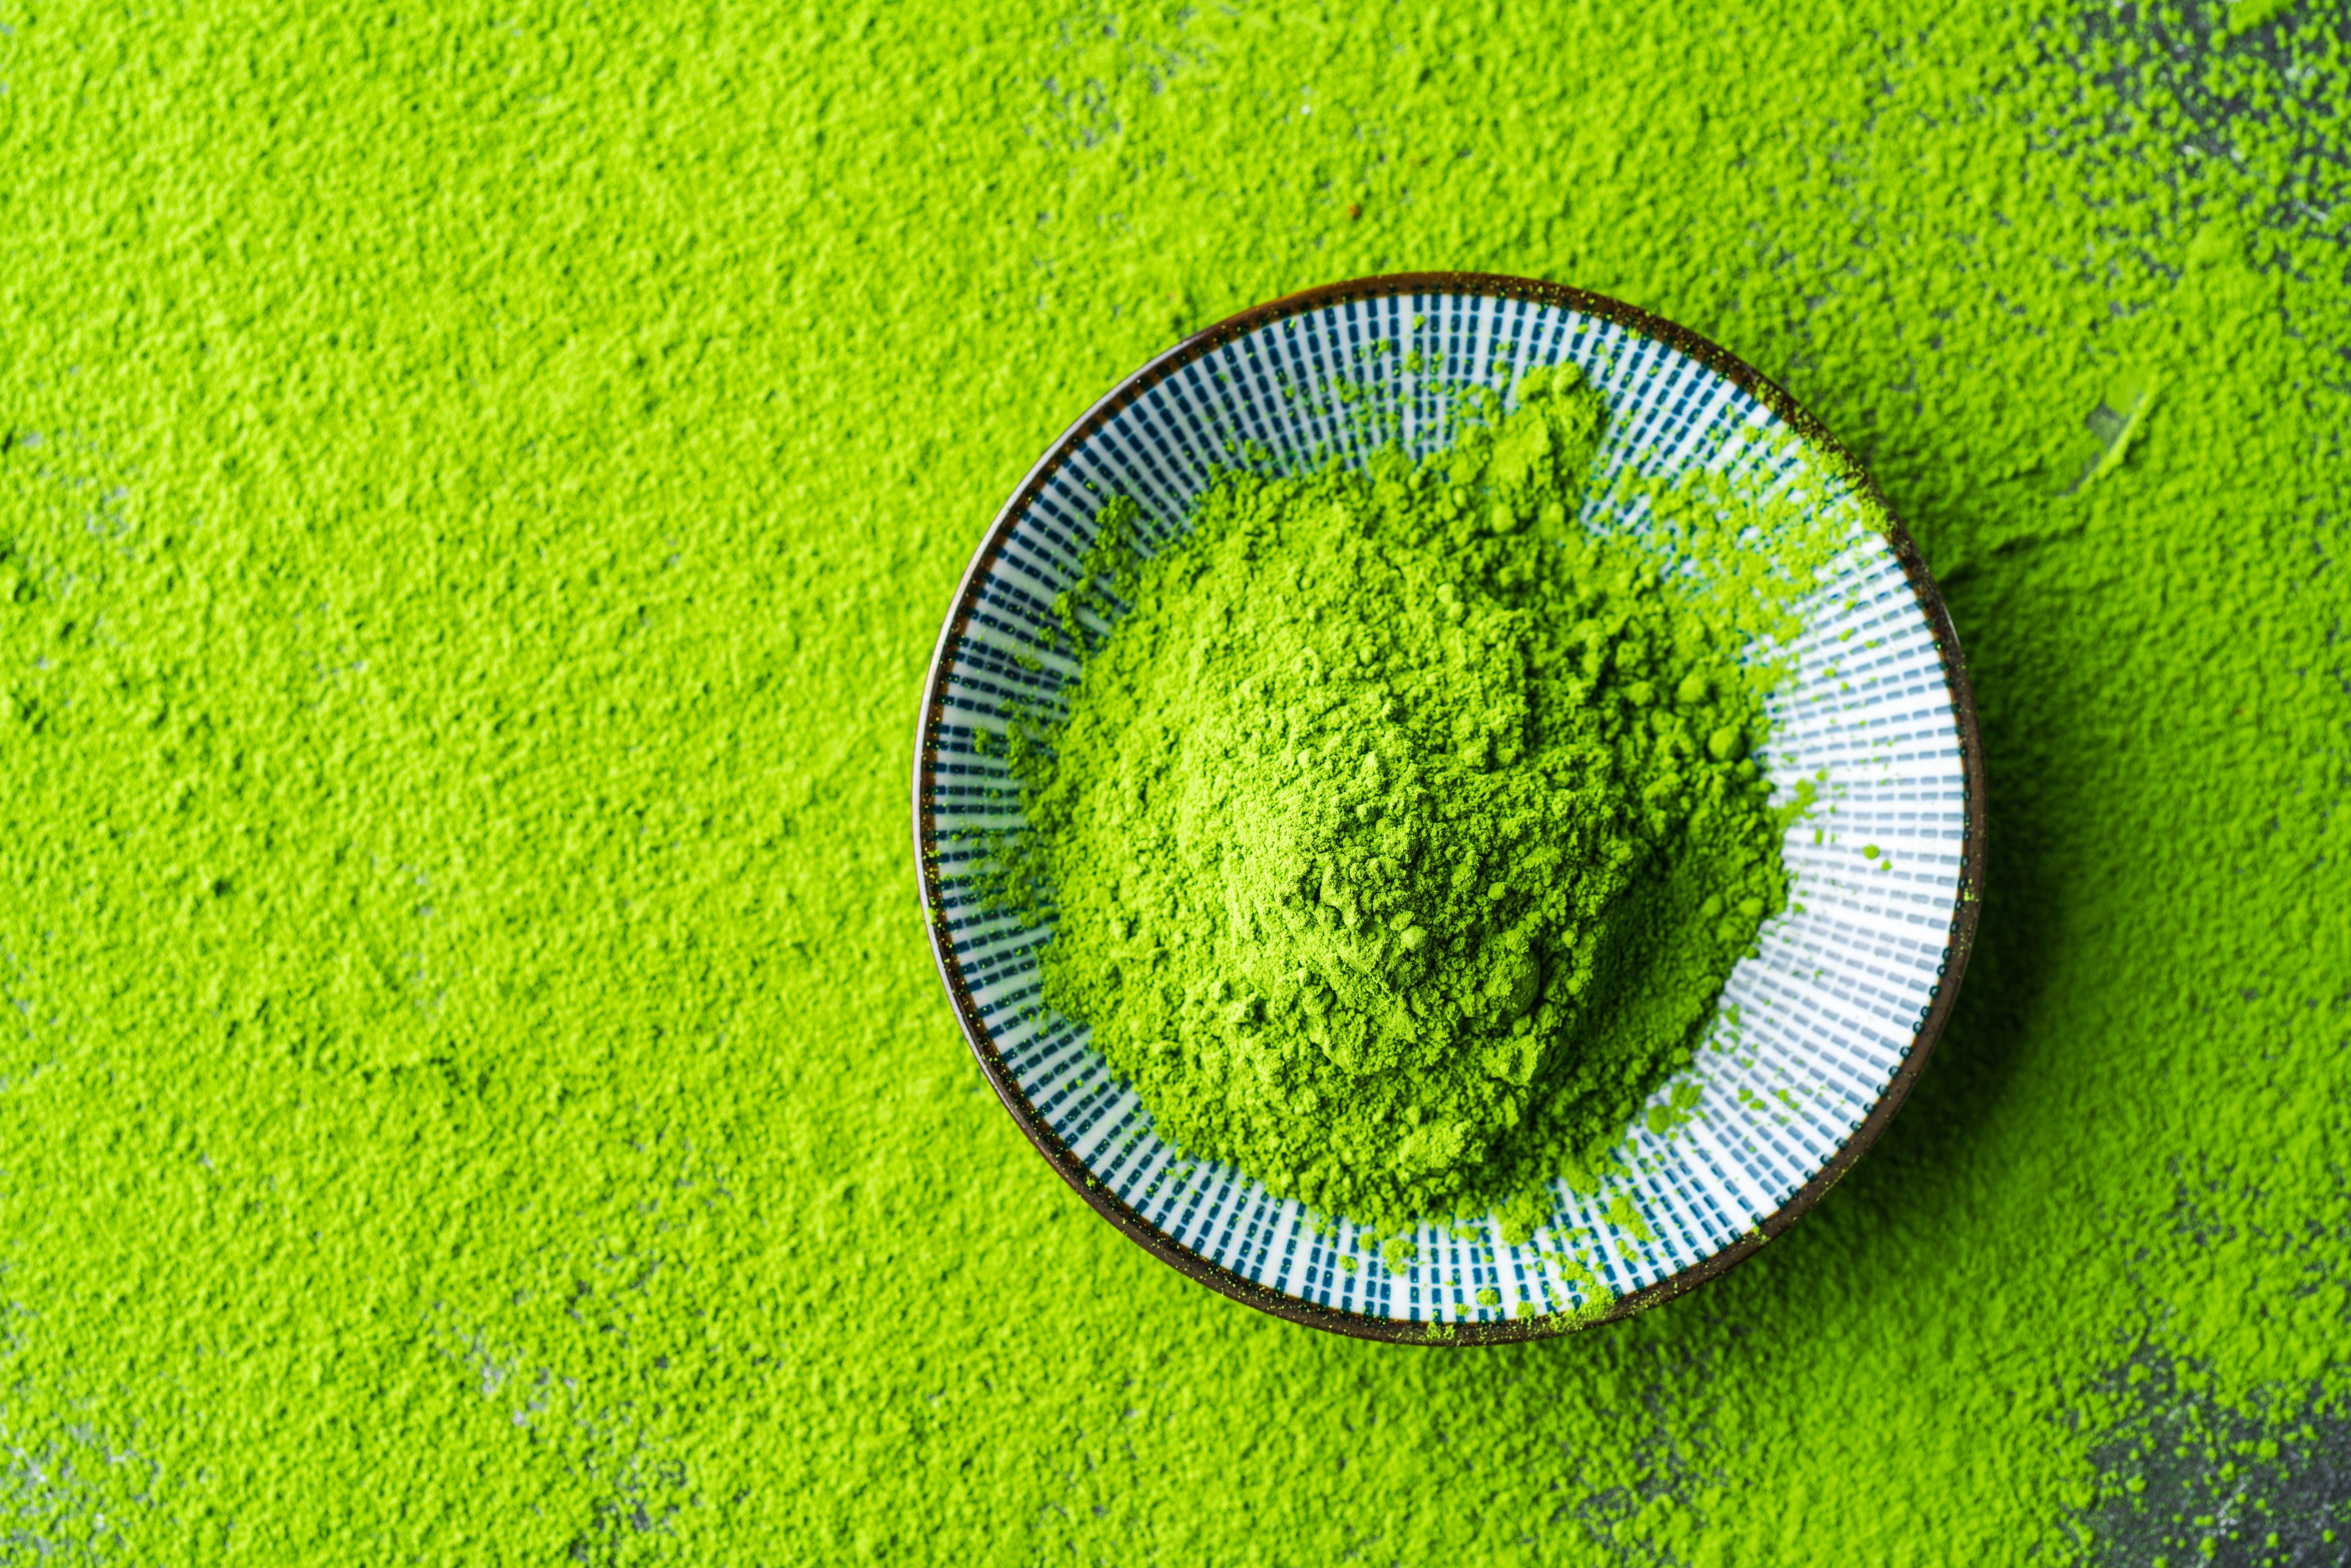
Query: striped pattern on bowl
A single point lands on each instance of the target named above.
(1817, 1039)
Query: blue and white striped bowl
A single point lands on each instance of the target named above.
(1820, 1036)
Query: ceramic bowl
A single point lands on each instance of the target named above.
(1820, 1036)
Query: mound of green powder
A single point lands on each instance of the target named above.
(1402, 833)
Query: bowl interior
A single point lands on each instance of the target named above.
(1817, 1037)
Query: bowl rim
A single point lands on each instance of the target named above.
(1960, 937)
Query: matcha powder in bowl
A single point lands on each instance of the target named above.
(1449, 809)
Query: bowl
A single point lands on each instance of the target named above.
(1822, 1032)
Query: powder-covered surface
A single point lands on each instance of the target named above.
(1401, 834)
(479, 491)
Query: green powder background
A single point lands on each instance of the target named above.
(480, 489)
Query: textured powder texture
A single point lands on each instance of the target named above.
(481, 485)
(1403, 834)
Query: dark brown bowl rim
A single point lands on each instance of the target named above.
(1961, 936)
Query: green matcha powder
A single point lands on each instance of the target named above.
(1401, 835)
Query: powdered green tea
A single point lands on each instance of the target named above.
(1402, 835)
